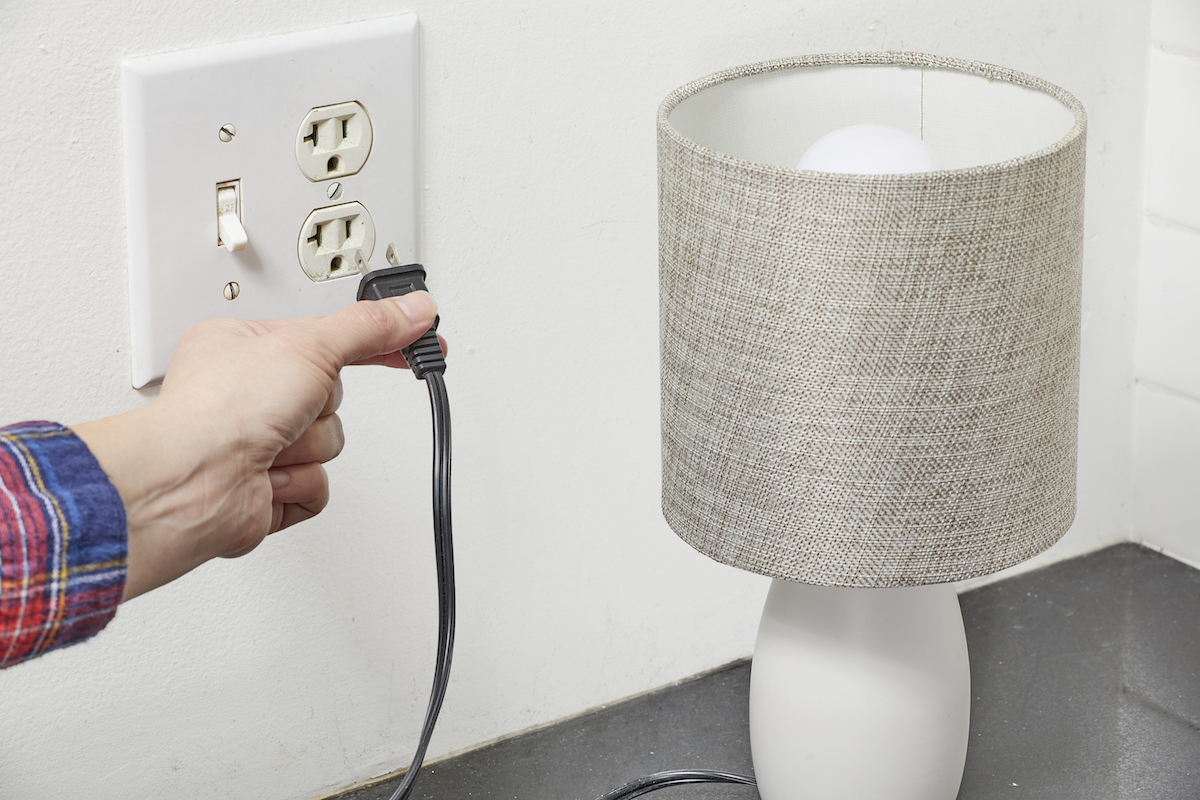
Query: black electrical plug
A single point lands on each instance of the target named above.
(425, 354)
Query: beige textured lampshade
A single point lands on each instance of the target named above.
(870, 380)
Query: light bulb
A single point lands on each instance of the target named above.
(869, 150)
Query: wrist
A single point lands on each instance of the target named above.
(173, 490)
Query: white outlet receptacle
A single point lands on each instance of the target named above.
(334, 141)
(201, 120)
(331, 239)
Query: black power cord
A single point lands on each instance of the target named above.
(428, 363)
(674, 777)
(425, 358)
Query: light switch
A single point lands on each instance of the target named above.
(230, 231)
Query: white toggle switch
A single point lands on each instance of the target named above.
(230, 231)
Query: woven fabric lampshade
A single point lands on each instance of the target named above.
(870, 380)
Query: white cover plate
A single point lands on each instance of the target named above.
(174, 106)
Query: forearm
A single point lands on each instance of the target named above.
(62, 542)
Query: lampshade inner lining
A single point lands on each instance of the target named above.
(966, 119)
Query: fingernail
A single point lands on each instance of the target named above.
(419, 307)
(279, 478)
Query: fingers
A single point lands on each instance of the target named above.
(386, 360)
(322, 442)
(375, 327)
(295, 512)
(300, 483)
(300, 492)
(335, 398)
(397, 359)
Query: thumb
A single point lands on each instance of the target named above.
(375, 327)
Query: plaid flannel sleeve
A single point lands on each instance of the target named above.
(62, 541)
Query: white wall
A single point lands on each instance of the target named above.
(1168, 331)
(304, 667)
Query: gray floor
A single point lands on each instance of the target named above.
(1086, 682)
(1086, 685)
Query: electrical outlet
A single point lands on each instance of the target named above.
(227, 123)
(332, 238)
(334, 141)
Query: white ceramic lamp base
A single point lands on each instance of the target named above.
(860, 694)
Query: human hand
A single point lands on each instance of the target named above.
(231, 450)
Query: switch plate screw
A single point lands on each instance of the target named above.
(227, 132)
(232, 290)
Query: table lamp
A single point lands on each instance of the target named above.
(869, 383)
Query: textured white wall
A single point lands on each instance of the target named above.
(1168, 331)
(305, 666)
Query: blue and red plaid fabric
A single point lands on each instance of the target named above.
(62, 541)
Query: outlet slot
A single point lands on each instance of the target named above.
(330, 238)
(334, 141)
